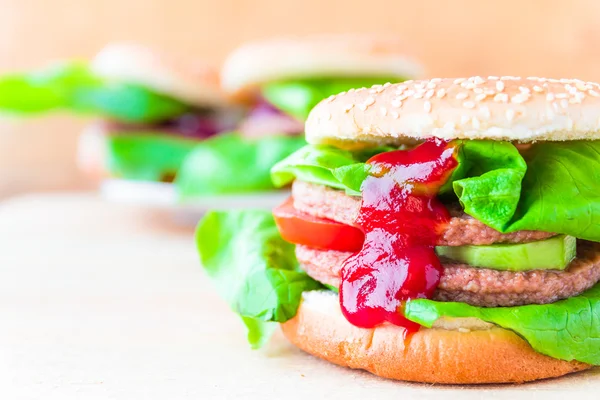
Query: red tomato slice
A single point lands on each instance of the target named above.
(301, 228)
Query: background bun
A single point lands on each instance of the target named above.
(317, 56)
(496, 108)
(192, 83)
(466, 353)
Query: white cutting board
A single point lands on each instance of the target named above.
(106, 301)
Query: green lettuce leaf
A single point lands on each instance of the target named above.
(146, 156)
(73, 87)
(488, 179)
(253, 268)
(568, 329)
(561, 190)
(323, 165)
(231, 163)
(298, 97)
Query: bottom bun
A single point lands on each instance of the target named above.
(467, 351)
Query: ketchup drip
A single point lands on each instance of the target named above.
(400, 216)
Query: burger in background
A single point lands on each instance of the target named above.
(281, 80)
(442, 231)
(153, 145)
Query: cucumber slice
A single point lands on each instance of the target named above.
(554, 253)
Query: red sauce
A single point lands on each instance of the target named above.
(400, 216)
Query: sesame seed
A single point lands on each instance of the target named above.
(538, 89)
(518, 98)
(493, 78)
(555, 106)
(478, 90)
(436, 80)
(430, 85)
(574, 100)
(478, 80)
(550, 97)
(459, 80)
(341, 94)
(395, 115)
(387, 84)
(362, 107)
(372, 91)
(418, 95)
(369, 101)
(462, 96)
(348, 107)
(562, 96)
(440, 93)
(501, 98)
(468, 104)
(464, 119)
(429, 94)
(420, 86)
(427, 106)
(330, 98)
(593, 93)
(475, 123)
(499, 86)
(525, 90)
(485, 110)
(409, 93)
(352, 90)
(396, 103)
(510, 114)
(480, 97)
(383, 111)
(581, 86)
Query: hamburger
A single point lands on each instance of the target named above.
(152, 145)
(197, 149)
(283, 78)
(439, 231)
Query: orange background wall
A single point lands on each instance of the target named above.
(555, 38)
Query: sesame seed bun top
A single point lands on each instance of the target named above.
(184, 80)
(496, 108)
(317, 56)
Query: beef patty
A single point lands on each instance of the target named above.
(462, 229)
(479, 286)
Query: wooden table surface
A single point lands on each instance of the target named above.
(104, 301)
